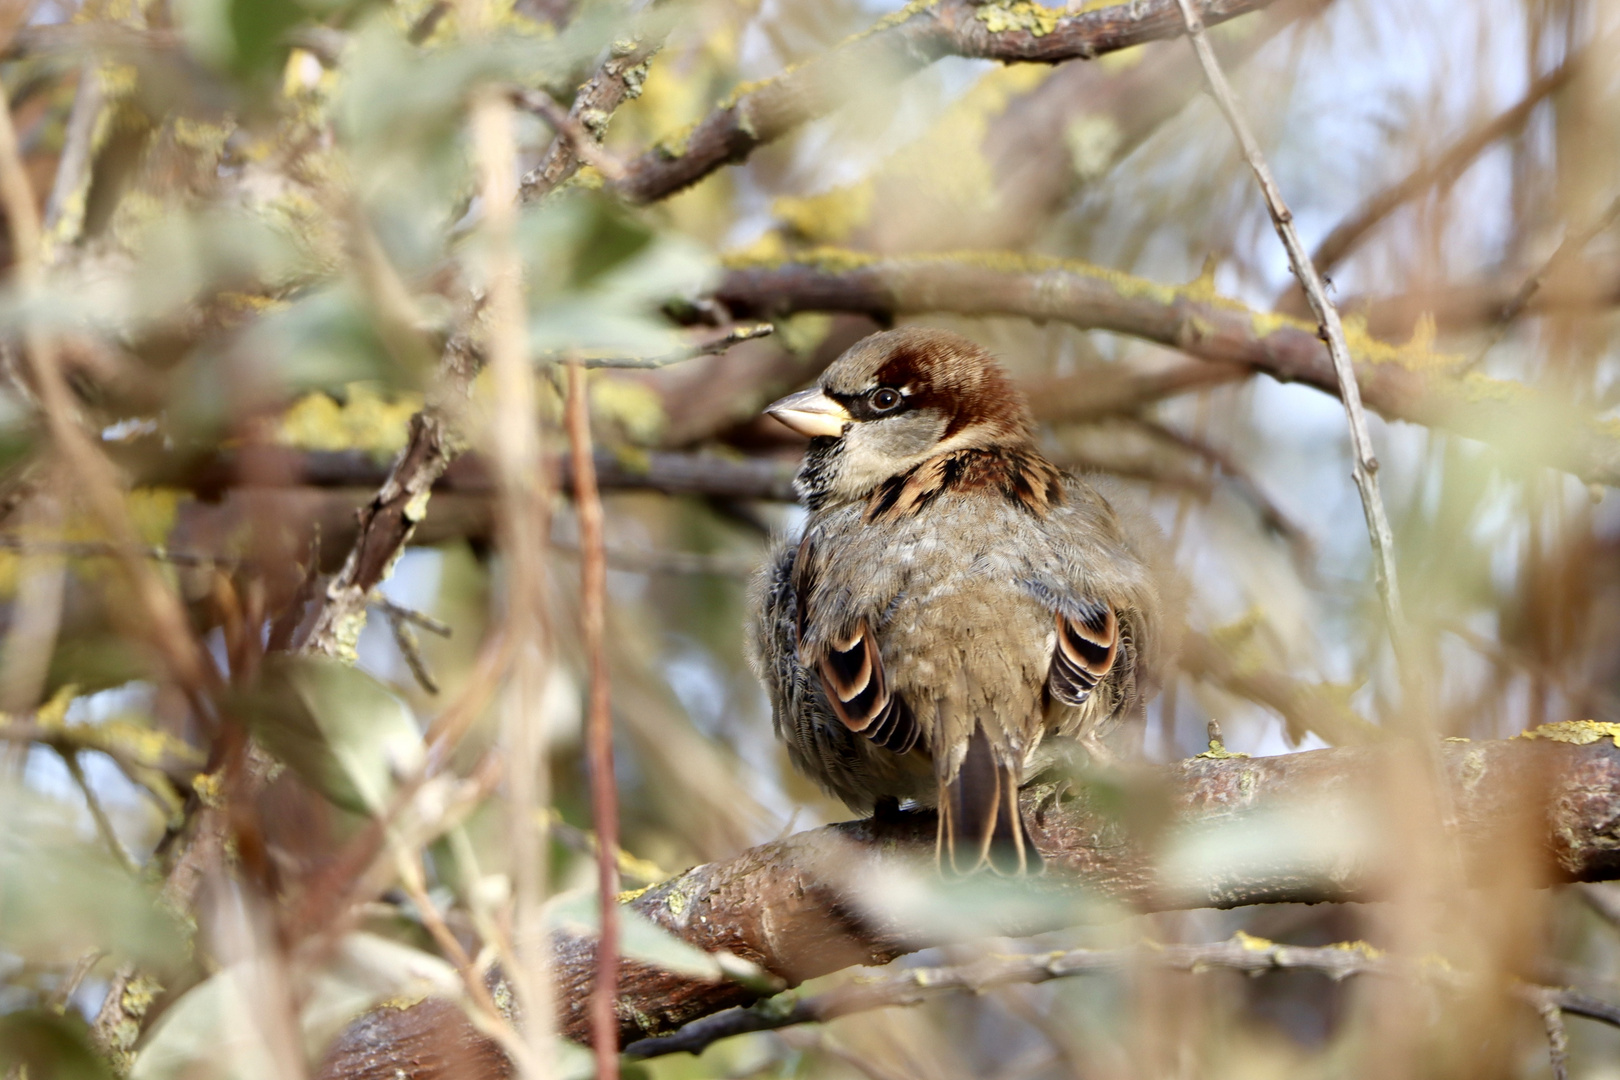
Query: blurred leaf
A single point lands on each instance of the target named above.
(607, 239)
(337, 727)
(62, 895)
(216, 1027)
(47, 1046)
(366, 970)
(599, 278)
(243, 37)
(639, 937)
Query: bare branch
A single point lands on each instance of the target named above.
(1327, 317)
(599, 725)
(1243, 953)
(907, 41)
(617, 79)
(711, 346)
(584, 145)
(1409, 382)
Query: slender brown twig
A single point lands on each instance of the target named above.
(1327, 316)
(585, 147)
(598, 726)
(1573, 244)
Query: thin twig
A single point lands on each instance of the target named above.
(98, 814)
(617, 79)
(64, 210)
(410, 648)
(411, 615)
(710, 347)
(1552, 1018)
(64, 991)
(598, 726)
(486, 1013)
(96, 480)
(1573, 244)
(1365, 461)
(585, 147)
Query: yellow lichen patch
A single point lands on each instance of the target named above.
(894, 18)
(630, 405)
(999, 18)
(1371, 952)
(1202, 287)
(53, 714)
(1218, 752)
(140, 742)
(830, 217)
(1417, 355)
(1252, 943)
(1093, 143)
(210, 788)
(946, 167)
(1578, 732)
(803, 333)
(367, 420)
(1480, 388)
(631, 894)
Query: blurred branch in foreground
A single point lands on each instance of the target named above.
(1270, 830)
(1244, 952)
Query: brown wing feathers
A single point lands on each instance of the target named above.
(852, 677)
(1086, 647)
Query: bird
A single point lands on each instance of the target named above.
(957, 613)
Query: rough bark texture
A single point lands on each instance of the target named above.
(795, 906)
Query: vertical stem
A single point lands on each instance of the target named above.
(521, 484)
(599, 725)
(1365, 468)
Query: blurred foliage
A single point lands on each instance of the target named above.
(263, 224)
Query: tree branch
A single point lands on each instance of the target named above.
(1408, 382)
(1242, 953)
(907, 41)
(802, 907)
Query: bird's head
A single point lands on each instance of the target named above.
(893, 401)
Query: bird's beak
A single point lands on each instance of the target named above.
(811, 412)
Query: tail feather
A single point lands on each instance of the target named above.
(979, 822)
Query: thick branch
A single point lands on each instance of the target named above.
(1400, 383)
(916, 36)
(800, 907)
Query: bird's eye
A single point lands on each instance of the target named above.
(884, 399)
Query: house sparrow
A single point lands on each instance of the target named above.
(954, 600)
